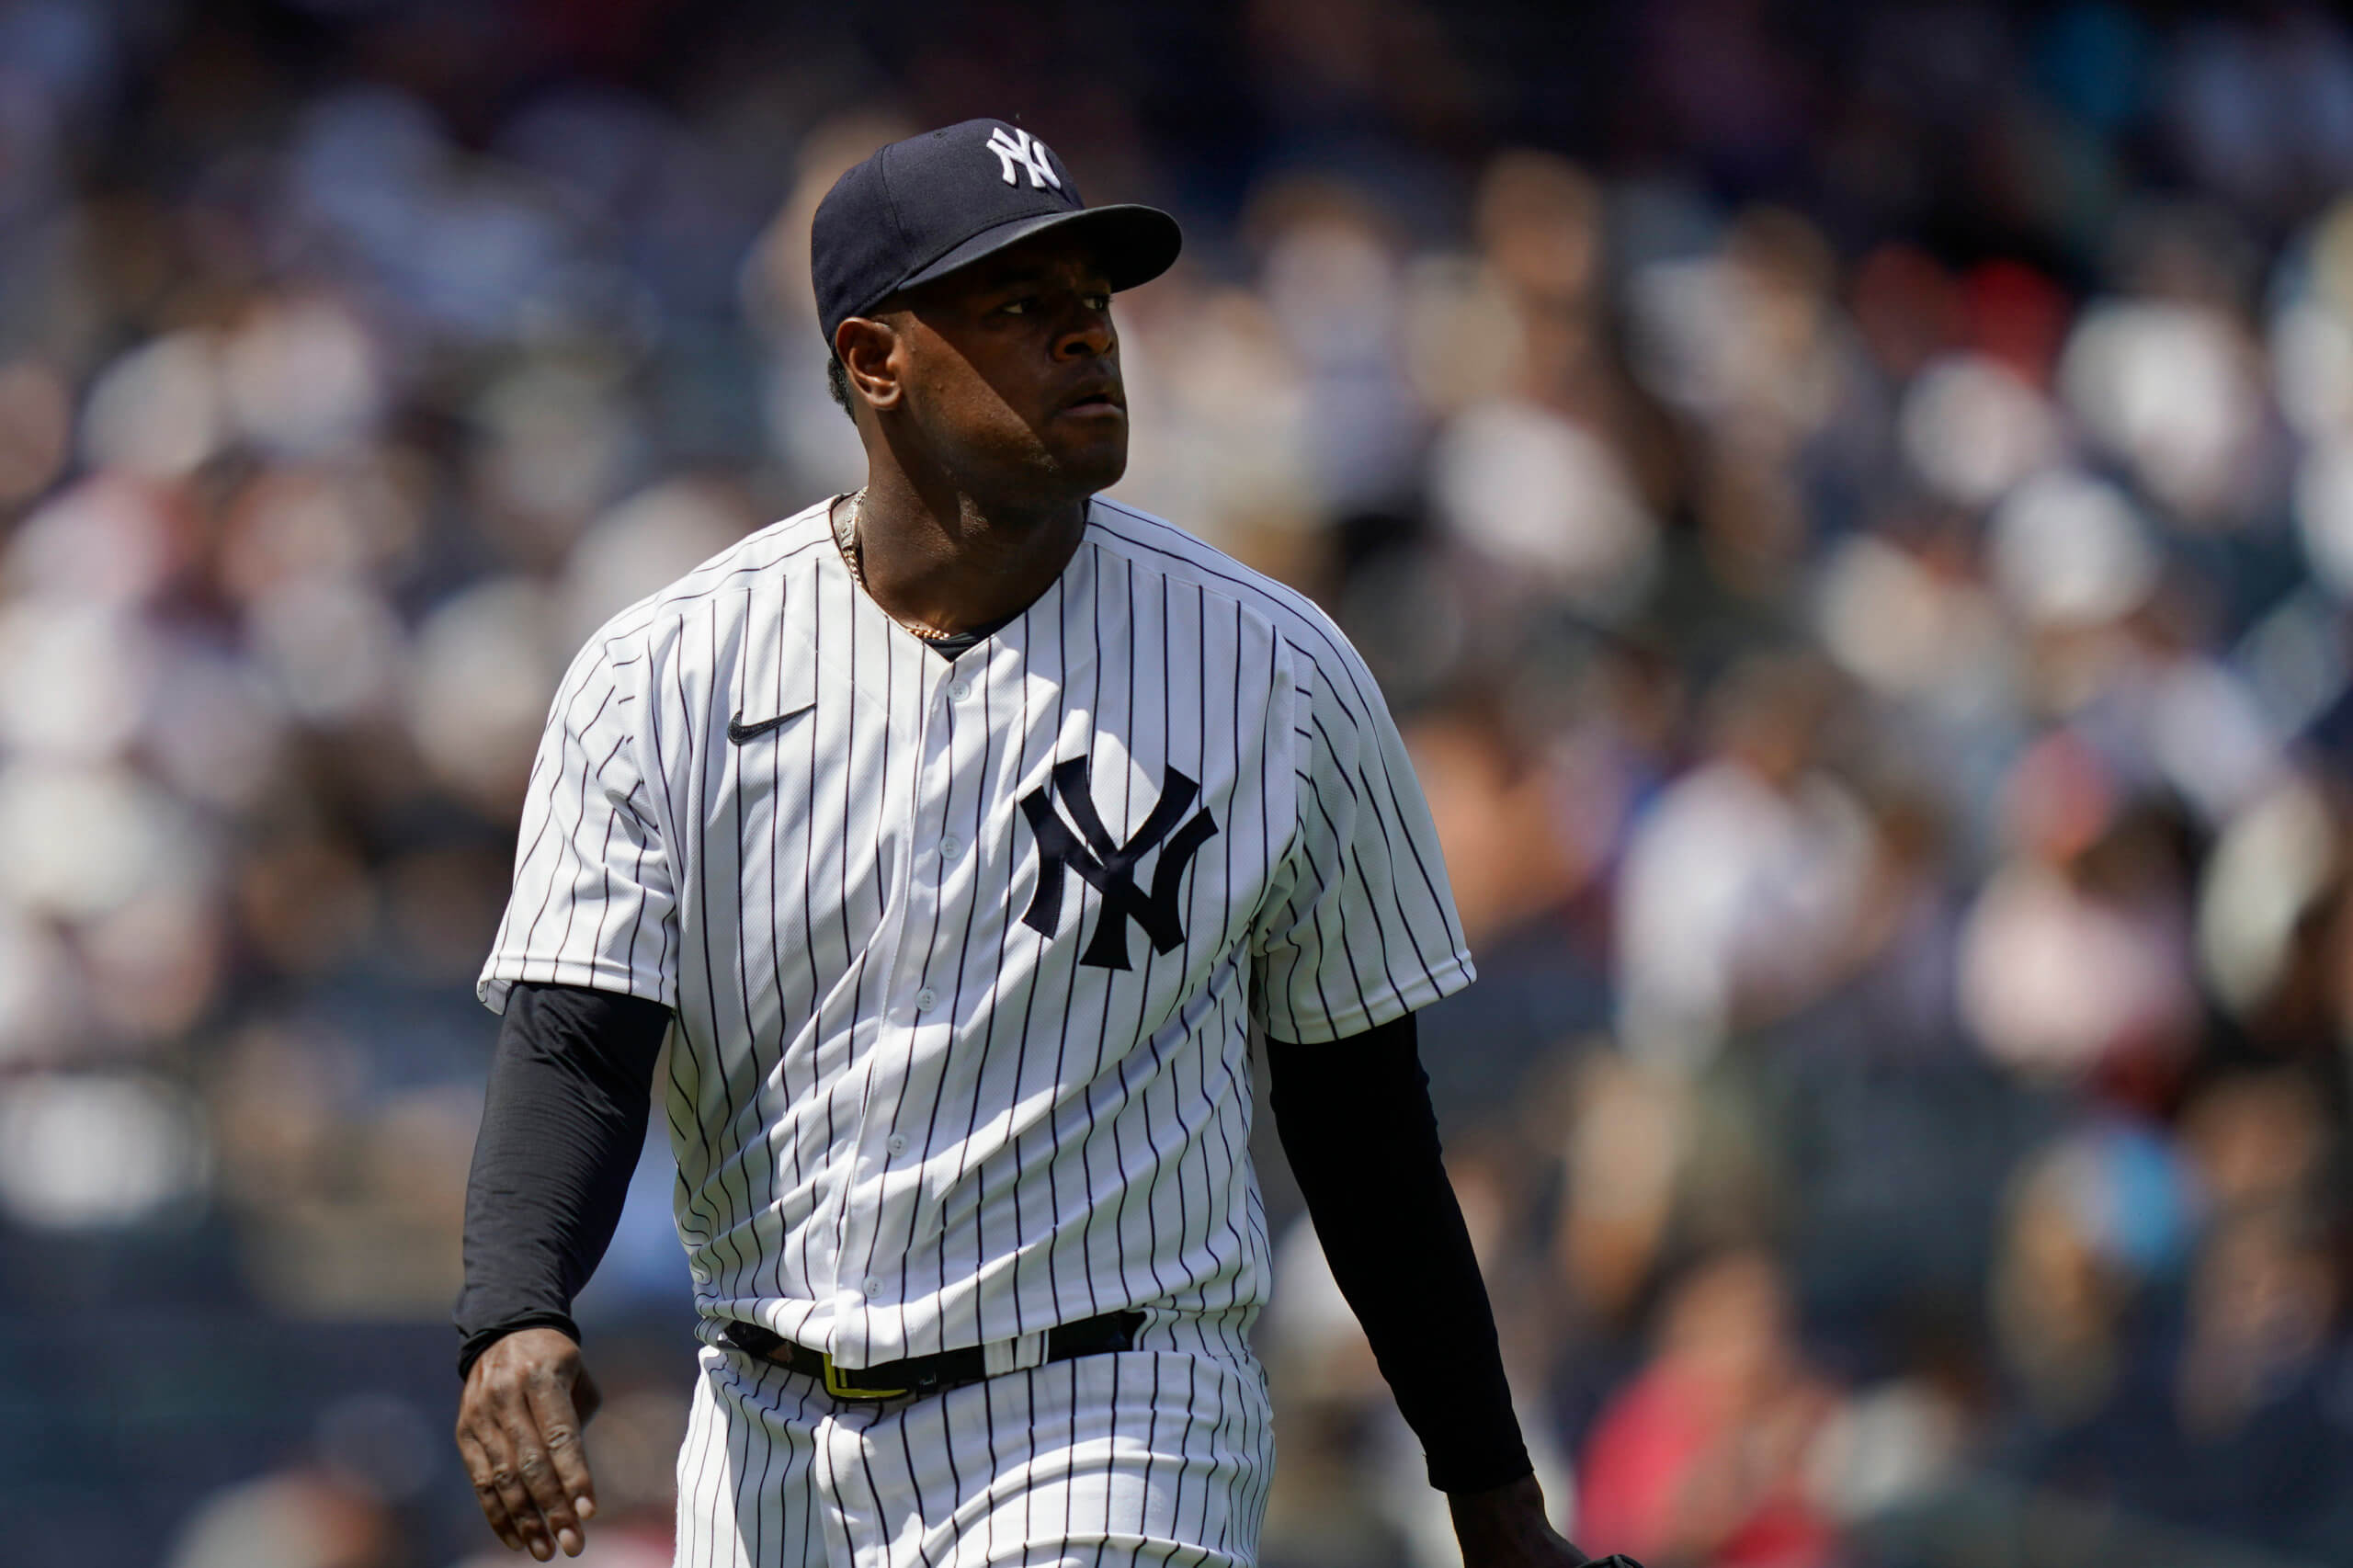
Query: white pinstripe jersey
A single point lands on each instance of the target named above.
(963, 956)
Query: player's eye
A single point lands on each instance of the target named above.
(1098, 301)
(1017, 307)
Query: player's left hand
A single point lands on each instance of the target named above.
(1506, 1528)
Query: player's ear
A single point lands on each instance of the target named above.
(867, 350)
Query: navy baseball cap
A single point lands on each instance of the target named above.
(922, 207)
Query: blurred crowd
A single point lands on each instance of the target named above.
(1853, 508)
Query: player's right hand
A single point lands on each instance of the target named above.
(518, 1430)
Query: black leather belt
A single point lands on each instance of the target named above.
(925, 1374)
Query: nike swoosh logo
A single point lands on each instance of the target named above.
(739, 732)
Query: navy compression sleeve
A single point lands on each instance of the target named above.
(562, 1127)
(1355, 1119)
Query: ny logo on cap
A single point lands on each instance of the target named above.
(1019, 149)
(1108, 868)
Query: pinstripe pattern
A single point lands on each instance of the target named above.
(905, 1118)
(1157, 1456)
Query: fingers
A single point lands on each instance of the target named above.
(485, 1474)
(518, 1430)
(555, 1413)
(526, 1480)
(506, 1474)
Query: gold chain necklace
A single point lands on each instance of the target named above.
(853, 554)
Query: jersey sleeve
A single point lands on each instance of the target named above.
(1360, 926)
(593, 903)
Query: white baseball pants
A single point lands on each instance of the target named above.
(1156, 1455)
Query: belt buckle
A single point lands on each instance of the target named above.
(835, 1387)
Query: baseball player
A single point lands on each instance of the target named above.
(957, 835)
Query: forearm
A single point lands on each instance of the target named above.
(562, 1124)
(1355, 1120)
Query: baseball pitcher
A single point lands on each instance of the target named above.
(958, 833)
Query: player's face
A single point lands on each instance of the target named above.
(1011, 371)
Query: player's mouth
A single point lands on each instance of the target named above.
(1096, 401)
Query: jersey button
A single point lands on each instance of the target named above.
(896, 1143)
(951, 846)
(959, 689)
(926, 999)
(873, 1285)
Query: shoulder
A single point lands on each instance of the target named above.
(1153, 546)
(722, 586)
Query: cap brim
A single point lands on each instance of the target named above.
(1135, 243)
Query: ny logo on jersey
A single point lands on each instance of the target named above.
(1109, 867)
(1020, 150)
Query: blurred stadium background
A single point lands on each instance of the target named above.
(1854, 508)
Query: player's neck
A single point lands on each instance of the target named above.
(940, 557)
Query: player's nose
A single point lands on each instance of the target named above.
(1085, 333)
